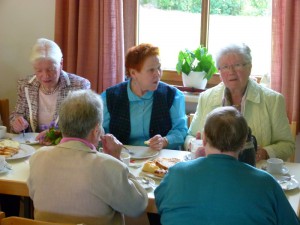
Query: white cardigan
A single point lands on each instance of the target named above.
(71, 183)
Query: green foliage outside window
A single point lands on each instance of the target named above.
(220, 7)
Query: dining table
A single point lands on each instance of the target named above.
(14, 181)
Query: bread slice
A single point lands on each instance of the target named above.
(166, 163)
(150, 167)
(10, 144)
(9, 148)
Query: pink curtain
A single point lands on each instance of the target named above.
(285, 77)
(91, 36)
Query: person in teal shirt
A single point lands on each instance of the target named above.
(218, 189)
(143, 108)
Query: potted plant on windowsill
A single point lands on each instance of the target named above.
(197, 67)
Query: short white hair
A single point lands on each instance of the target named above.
(46, 49)
(240, 48)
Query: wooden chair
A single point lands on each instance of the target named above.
(14, 220)
(4, 112)
(293, 126)
(2, 215)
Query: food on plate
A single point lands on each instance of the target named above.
(9, 148)
(159, 166)
(53, 136)
(150, 167)
(166, 163)
(147, 142)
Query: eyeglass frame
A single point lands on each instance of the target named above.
(236, 67)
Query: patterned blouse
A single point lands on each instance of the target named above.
(28, 97)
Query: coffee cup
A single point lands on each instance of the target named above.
(2, 131)
(2, 163)
(195, 145)
(275, 165)
(125, 158)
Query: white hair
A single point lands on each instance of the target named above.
(46, 49)
(241, 49)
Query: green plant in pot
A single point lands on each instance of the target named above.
(197, 66)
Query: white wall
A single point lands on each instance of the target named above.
(21, 23)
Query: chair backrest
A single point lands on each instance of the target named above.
(14, 220)
(293, 126)
(4, 112)
(2, 215)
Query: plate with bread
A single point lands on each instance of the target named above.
(158, 167)
(14, 150)
(141, 152)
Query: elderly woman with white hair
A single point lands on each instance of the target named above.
(86, 186)
(40, 95)
(263, 108)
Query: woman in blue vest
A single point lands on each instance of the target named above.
(143, 108)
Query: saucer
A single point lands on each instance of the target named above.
(290, 185)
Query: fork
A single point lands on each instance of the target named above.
(129, 151)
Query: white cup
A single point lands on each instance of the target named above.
(2, 131)
(275, 165)
(195, 144)
(125, 157)
(2, 162)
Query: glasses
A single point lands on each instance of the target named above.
(236, 67)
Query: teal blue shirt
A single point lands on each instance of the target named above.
(220, 190)
(140, 115)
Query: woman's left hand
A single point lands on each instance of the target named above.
(41, 138)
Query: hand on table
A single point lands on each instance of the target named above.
(200, 152)
(19, 124)
(158, 142)
(111, 145)
(41, 138)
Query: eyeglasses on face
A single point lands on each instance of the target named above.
(236, 67)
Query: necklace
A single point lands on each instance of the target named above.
(48, 92)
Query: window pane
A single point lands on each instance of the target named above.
(166, 25)
(174, 25)
(247, 21)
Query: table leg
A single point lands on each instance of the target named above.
(28, 208)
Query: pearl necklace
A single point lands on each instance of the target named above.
(47, 92)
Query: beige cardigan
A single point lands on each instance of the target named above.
(70, 183)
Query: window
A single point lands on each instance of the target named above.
(174, 25)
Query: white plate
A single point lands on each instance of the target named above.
(290, 185)
(151, 183)
(24, 151)
(29, 138)
(142, 173)
(142, 152)
(4, 170)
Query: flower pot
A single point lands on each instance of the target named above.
(194, 79)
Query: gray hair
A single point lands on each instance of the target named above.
(226, 129)
(241, 49)
(46, 49)
(79, 113)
